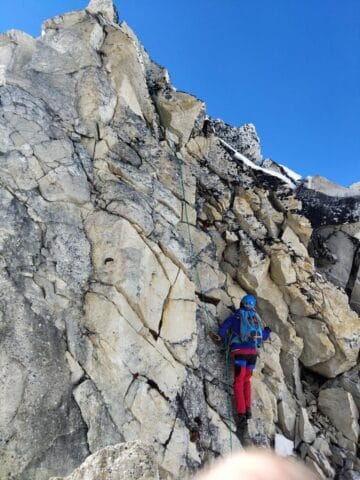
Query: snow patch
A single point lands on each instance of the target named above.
(239, 156)
(283, 446)
(295, 176)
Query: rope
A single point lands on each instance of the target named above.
(228, 389)
(210, 332)
(194, 258)
(194, 261)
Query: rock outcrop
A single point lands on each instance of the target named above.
(131, 226)
(130, 461)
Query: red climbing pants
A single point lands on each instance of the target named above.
(244, 363)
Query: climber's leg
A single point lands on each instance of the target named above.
(247, 388)
(239, 396)
(251, 360)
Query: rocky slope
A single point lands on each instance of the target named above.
(131, 225)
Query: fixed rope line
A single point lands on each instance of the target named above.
(210, 332)
(194, 257)
(228, 389)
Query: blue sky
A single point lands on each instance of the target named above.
(291, 67)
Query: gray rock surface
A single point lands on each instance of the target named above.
(103, 7)
(349, 381)
(306, 430)
(324, 185)
(323, 209)
(128, 232)
(337, 255)
(244, 139)
(124, 461)
(340, 407)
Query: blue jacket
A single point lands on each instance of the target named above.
(243, 329)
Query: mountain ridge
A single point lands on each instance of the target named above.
(129, 232)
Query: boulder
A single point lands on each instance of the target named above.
(300, 225)
(348, 381)
(104, 7)
(264, 412)
(306, 430)
(291, 368)
(290, 238)
(335, 251)
(268, 214)
(281, 269)
(322, 445)
(287, 417)
(247, 220)
(317, 344)
(344, 328)
(319, 460)
(339, 406)
(253, 265)
(270, 364)
(124, 461)
(178, 112)
(298, 300)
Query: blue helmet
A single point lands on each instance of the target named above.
(249, 301)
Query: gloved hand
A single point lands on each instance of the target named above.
(266, 333)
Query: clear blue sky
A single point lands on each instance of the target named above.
(291, 67)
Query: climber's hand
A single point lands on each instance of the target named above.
(215, 337)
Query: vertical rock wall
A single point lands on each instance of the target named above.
(128, 232)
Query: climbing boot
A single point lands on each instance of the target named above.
(248, 413)
(241, 420)
(241, 425)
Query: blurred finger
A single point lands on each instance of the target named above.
(257, 465)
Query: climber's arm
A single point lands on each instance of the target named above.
(225, 327)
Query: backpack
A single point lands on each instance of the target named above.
(250, 324)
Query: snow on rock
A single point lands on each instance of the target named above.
(283, 446)
(251, 164)
(295, 176)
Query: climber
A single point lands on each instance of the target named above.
(243, 333)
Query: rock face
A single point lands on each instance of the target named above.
(337, 255)
(131, 226)
(129, 461)
(105, 8)
(244, 139)
(340, 407)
